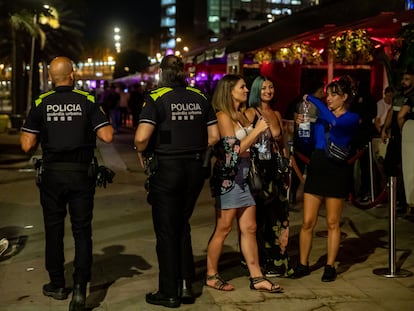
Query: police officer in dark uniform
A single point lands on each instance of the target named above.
(177, 125)
(66, 121)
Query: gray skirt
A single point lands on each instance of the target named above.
(240, 196)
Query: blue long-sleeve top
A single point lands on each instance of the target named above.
(342, 128)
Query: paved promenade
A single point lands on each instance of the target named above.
(125, 264)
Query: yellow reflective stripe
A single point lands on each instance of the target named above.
(90, 97)
(159, 92)
(196, 91)
(40, 99)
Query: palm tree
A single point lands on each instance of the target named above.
(69, 32)
(17, 20)
(19, 24)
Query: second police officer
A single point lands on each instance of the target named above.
(176, 126)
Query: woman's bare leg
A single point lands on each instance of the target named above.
(334, 207)
(311, 205)
(224, 223)
(248, 242)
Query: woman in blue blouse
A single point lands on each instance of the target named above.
(328, 181)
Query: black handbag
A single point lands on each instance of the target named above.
(254, 178)
(283, 164)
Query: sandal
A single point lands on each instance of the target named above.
(219, 283)
(260, 279)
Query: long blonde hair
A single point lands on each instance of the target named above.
(223, 100)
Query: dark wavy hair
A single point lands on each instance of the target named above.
(344, 85)
(172, 72)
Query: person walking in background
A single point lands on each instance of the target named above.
(66, 121)
(379, 147)
(322, 184)
(136, 100)
(233, 199)
(391, 132)
(272, 204)
(383, 106)
(124, 97)
(111, 104)
(176, 127)
(407, 166)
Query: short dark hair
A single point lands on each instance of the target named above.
(172, 61)
(344, 85)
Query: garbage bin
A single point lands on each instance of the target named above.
(4, 122)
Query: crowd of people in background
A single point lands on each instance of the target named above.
(122, 102)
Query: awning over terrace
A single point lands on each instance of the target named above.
(382, 20)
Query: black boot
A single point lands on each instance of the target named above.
(55, 292)
(187, 294)
(78, 298)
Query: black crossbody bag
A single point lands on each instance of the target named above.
(334, 151)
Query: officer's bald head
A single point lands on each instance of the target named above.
(61, 71)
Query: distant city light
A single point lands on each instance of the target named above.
(117, 39)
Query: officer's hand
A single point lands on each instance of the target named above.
(141, 159)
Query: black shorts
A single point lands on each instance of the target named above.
(328, 178)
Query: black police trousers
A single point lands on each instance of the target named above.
(59, 191)
(173, 193)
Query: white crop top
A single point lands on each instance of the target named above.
(242, 132)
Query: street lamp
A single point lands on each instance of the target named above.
(179, 46)
(117, 38)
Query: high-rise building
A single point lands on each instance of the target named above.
(183, 23)
(243, 14)
(194, 22)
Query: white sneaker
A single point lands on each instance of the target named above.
(4, 244)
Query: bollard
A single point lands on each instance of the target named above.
(392, 271)
(371, 171)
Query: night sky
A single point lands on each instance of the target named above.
(130, 15)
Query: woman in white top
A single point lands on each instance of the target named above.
(229, 183)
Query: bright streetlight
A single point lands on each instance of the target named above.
(117, 38)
